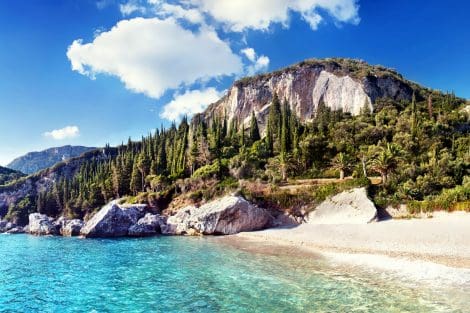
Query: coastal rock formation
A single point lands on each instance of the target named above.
(16, 230)
(348, 207)
(40, 224)
(225, 216)
(113, 221)
(148, 225)
(71, 228)
(6, 226)
(339, 84)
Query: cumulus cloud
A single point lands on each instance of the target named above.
(260, 14)
(63, 133)
(189, 103)
(258, 64)
(151, 55)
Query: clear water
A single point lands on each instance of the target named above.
(175, 274)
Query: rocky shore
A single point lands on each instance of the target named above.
(224, 216)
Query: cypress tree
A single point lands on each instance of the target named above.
(254, 130)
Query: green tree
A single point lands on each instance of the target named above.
(386, 161)
(254, 130)
(342, 163)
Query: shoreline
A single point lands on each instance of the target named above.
(441, 240)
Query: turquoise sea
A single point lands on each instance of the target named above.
(179, 274)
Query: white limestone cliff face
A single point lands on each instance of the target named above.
(304, 94)
(305, 87)
(340, 93)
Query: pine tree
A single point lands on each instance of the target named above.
(254, 130)
(414, 116)
(136, 180)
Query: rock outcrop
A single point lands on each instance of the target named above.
(71, 228)
(225, 216)
(148, 225)
(40, 224)
(348, 207)
(6, 226)
(340, 84)
(112, 221)
(16, 230)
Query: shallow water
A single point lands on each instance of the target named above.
(179, 274)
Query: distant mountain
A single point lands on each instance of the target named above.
(7, 175)
(36, 161)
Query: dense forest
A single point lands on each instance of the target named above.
(420, 149)
(7, 175)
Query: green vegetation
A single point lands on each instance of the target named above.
(8, 175)
(420, 149)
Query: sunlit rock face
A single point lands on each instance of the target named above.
(307, 85)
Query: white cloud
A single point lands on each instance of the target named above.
(260, 14)
(191, 15)
(152, 55)
(260, 63)
(130, 7)
(63, 133)
(250, 54)
(189, 103)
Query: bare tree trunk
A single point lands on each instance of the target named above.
(341, 174)
(364, 169)
(384, 178)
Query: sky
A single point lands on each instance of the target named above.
(87, 72)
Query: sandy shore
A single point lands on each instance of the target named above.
(443, 239)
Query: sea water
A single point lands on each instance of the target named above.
(181, 274)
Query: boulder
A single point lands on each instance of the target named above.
(41, 224)
(16, 230)
(148, 225)
(71, 228)
(348, 207)
(225, 216)
(5, 226)
(112, 221)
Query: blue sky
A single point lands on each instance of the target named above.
(94, 72)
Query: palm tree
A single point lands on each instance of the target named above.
(387, 160)
(341, 162)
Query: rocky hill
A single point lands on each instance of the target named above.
(406, 127)
(35, 161)
(7, 175)
(341, 84)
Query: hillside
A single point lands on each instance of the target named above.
(415, 139)
(33, 162)
(339, 84)
(7, 175)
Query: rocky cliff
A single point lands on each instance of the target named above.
(341, 84)
(35, 161)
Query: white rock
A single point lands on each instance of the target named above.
(348, 207)
(113, 221)
(71, 228)
(41, 224)
(148, 225)
(227, 215)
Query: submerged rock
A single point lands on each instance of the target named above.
(112, 221)
(225, 216)
(148, 225)
(71, 228)
(348, 207)
(41, 224)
